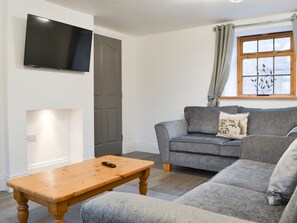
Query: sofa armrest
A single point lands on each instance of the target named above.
(165, 132)
(117, 207)
(293, 132)
(268, 149)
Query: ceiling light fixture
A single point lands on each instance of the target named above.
(235, 1)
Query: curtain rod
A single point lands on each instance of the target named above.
(261, 23)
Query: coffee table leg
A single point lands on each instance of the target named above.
(23, 213)
(143, 181)
(58, 211)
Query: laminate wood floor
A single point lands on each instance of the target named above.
(162, 185)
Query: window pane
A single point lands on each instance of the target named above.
(265, 66)
(282, 85)
(249, 67)
(282, 65)
(265, 45)
(249, 85)
(250, 47)
(265, 85)
(282, 44)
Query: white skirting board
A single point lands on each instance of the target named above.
(6, 178)
(49, 165)
(2, 183)
(129, 147)
(142, 147)
(37, 168)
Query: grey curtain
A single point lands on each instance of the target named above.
(222, 61)
(294, 24)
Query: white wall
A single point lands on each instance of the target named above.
(35, 89)
(129, 86)
(2, 98)
(174, 70)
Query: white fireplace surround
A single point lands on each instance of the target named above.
(54, 138)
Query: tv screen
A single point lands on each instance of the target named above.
(56, 45)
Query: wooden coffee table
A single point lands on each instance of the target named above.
(59, 188)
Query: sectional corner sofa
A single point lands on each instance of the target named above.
(237, 194)
(192, 142)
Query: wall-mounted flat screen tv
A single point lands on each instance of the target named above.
(57, 45)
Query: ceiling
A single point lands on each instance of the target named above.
(144, 17)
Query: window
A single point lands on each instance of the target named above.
(266, 65)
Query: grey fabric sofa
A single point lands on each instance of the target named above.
(237, 194)
(192, 142)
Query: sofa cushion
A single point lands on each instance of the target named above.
(197, 143)
(119, 207)
(276, 121)
(293, 132)
(233, 126)
(201, 161)
(283, 180)
(232, 201)
(290, 213)
(230, 148)
(206, 119)
(247, 174)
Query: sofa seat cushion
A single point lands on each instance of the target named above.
(274, 121)
(230, 148)
(232, 201)
(247, 174)
(119, 207)
(197, 143)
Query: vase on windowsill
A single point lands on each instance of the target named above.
(264, 83)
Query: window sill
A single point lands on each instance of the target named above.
(253, 97)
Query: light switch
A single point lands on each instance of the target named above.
(31, 138)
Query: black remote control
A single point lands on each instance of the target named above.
(112, 165)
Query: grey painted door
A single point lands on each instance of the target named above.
(107, 96)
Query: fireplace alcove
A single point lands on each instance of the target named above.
(54, 138)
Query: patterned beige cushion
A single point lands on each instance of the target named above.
(233, 126)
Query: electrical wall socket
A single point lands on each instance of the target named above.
(31, 138)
